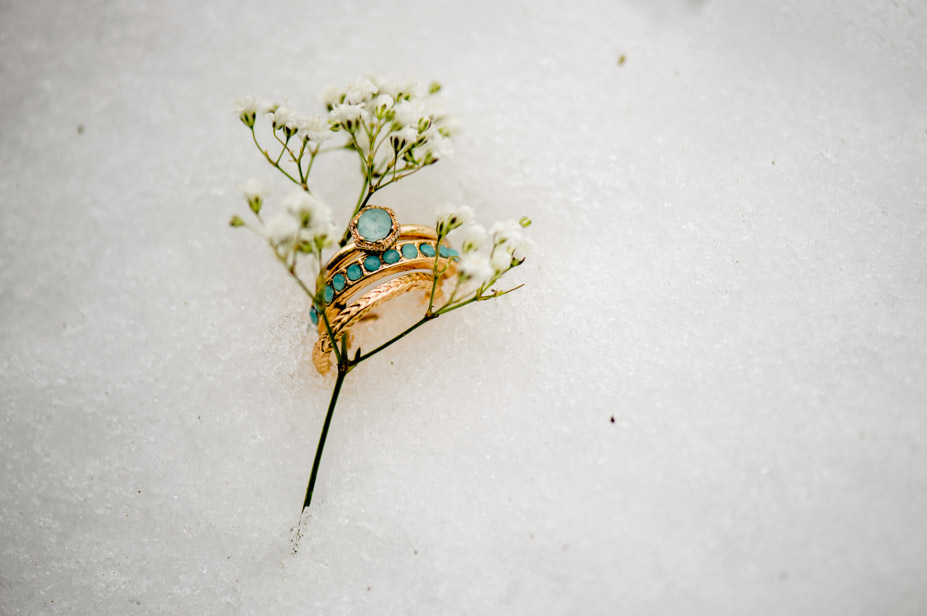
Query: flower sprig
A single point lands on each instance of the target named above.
(395, 130)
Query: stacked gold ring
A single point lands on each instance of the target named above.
(360, 279)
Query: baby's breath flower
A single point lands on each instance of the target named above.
(281, 230)
(347, 116)
(474, 238)
(385, 85)
(506, 232)
(313, 128)
(436, 147)
(307, 210)
(246, 104)
(522, 249)
(474, 266)
(450, 218)
(382, 104)
(501, 259)
(253, 190)
(322, 233)
(247, 107)
(401, 139)
(285, 119)
(265, 106)
(333, 95)
(411, 112)
(400, 90)
(359, 91)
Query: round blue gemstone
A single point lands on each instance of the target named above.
(313, 316)
(329, 294)
(409, 251)
(391, 256)
(372, 263)
(354, 271)
(374, 224)
(427, 249)
(444, 252)
(338, 281)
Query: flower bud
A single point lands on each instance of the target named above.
(524, 221)
(384, 103)
(236, 221)
(450, 219)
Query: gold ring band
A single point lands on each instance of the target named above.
(357, 281)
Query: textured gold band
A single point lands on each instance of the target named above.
(417, 281)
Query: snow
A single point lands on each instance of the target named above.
(731, 266)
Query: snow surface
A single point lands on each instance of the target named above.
(732, 265)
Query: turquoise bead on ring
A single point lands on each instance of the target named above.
(372, 263)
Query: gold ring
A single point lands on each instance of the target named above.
(384, 261)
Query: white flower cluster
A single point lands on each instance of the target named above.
(373, 111)
(486, 255)
(304, 225)
(407, 116)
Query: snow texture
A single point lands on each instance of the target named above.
(709, 398)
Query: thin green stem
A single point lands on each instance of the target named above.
(395, 338)
(339, 355)
(435, 274)
(271, 160)
(312, 154)
(299, 162)
(282, 150)
(425, 319)
(318, 452)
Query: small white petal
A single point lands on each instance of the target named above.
(281, 229)
(501, 259)
(474, 238)
(475, 267)
(252, 188)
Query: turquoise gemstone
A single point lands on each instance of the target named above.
(313, 316)
(390, 256)
(451, 252)
(444, 252)
(329, 294)
(338, 281)
(372, 263)
(374, 224)
(427, 249)
(354, 271)
(409, 251)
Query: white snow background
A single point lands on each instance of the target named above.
(731, 230)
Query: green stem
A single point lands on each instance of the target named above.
(395, 338)
(345, 365)
(318, 452)
(271, 160)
